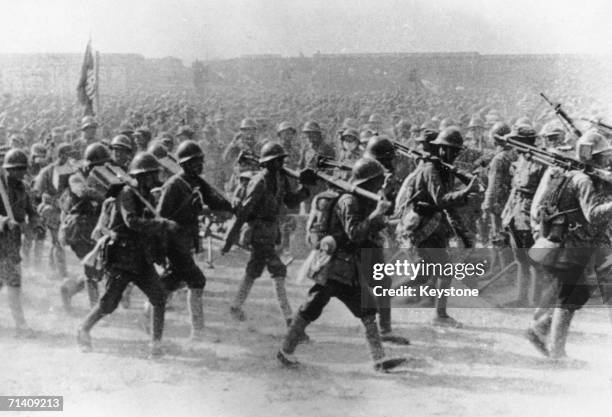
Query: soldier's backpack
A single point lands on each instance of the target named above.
(319, 218)
(548, 220)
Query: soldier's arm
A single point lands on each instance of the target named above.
(494, 178)
(128, 203)
(593, 209)
(254, 193)
(213, 199)
(442, 200)
(294, 198)
(357, 228)
(169, 200)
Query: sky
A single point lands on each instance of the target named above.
(212, 29)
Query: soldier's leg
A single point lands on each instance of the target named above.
(10, 274)
(358, 300)
(318, 298)
(70, 287)
(115, 284)
(254, 268)
(150, 284)
(278, 272)
(57, 253)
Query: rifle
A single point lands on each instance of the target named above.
(465, 178)
(323, 161)
(567, 163)
(308, 175)
(566, 121)
(598, 123)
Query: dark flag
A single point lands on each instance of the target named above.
(88, 83)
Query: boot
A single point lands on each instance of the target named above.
(381, 364)
(304, 338)
(243, 292)
(14, 300)
(559, 329)
(84, 341)
(292, 338)
(281, 296)
(196, 309)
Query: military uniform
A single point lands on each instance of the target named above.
(498, 189)
(266, 193)
(82, 204)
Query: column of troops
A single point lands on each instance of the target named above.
(128, 204)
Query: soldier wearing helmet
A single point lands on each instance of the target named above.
(49, 185)
(527, 174)
(183, 200)
(476, 133)
(121, 150)
(14, 193)
(268, 191)
(499, 180)
(315, 145)
(134, 248)
(354, 222)
(80, 204)
(554, 134)
(349, 146)
(287, 136)
(426, 205)
(578, 229)
(142, 137)
(244, 142)
(89, 128)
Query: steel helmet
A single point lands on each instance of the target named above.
(157, 149)
(87, 122)
(450, 136)
(270, 151)
(285, 126)
(311, 127)
(15, 158)
(375, 118)
(476, 122)
(524, 133)
(379, 147)
(446, 122)
(38, 150)
(143, 163)
(247, 124)
(366, 169)
(350, 132)
(589, 144)
(65, 149)
(121, 142)
(427, 135)
(96, 154)
(188, 150)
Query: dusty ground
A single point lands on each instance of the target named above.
(485, 369)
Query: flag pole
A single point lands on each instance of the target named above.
(98, 83)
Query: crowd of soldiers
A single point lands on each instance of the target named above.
(134, 197)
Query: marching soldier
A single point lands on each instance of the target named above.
(500, 181)
(49, 185)
(130, 255)
(349, 146)
(182, 201)
(515, 216)
(267, 191)
(577, 232)
(244, 141)
(381, 149)
(287, 136)
(16, 210)
(425, 203)
(353, 223)
(80, 204)
(315, 146)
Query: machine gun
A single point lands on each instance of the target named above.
(598, 123)
(545, 157)
(326, 162)
(464, 177)
(566, 121)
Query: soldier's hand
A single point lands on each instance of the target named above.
(11, 225)
(382, 207)
(473, 185)
(308, 177)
